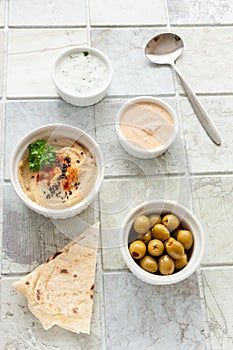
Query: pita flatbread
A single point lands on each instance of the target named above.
(60, 291)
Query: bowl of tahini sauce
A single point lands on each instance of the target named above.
(82, 75)
(146, 126)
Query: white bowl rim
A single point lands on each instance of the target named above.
(155, 100)
(153, 278)
(48, 211)
(73, 49)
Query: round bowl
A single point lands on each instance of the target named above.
(135, 150)
(82, 98)
(189, 221)
(56, 131)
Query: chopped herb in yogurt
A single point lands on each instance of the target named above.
(82, 72)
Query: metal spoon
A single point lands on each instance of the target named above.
(165, 48)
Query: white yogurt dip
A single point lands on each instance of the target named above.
(82, 73)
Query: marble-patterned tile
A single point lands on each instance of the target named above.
(204, 155)
(200, 12)
(149, 317)
(212, 203)
(207, 58)
(2, 12)
(118, 196)
(133, 73)
(1, 60)
(29, 239)
(21, 330)
(22, 117)
(118, 162)
(117, 12)
(218, 285)
(31, 54)
(47, 13)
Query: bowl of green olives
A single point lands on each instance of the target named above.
(162, 242)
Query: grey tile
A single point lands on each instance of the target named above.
(118, 196)
(29, 239)
(22, 117)
(141, 316)
(133, 74)
(218, 285)
(200, 12)
(118, 162)
(2, 12)
(204, 155)
(31, 54)
(1, 60)
(207, 58)
(21, 330)
(47, 13)
(111, 12)
(212, 202)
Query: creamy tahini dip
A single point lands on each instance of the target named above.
(64, 184)
(147, 125)
(82, 73)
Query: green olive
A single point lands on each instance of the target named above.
(159, 231)
(155, 219)
(137, 249)
(185, 237)
(146, 237)
(180, 263)
(142, 224)
(166, 265)
(149, 264)
(174, 248)
(155, 247)
(171, 222)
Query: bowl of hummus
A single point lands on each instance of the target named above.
(57, 170)
(146, 126)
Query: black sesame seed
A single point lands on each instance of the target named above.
(78, 161)
(78, 183)
(32, 177)
(70, 193)
(75, 184)
(67, 197)
(81, 153)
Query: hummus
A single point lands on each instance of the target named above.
(64, 184)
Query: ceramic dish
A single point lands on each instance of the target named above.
(82, 75)
(56, 132)
(144, 132)
(189, 221)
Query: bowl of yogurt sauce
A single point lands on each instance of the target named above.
(82, 75)
(146, 126)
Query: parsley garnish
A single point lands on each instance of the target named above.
(85, 53)
(40, 155)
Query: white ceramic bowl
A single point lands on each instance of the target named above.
(189, 221)
(55, 131)
(131, 148)
(82, 99)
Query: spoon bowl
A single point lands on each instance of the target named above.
(165, 48)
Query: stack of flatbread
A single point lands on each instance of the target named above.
(60, 291)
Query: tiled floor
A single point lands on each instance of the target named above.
(128, 314)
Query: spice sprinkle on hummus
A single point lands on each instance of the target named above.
(63, 183)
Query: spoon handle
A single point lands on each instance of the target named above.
(200, 111)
